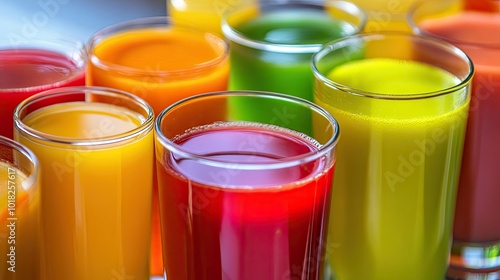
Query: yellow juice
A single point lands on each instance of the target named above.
(205, 14)
(390, 15)
(96, 198)
(397, 170)
(19, 225)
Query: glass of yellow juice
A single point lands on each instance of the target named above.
(95, 146)
(206, 14)
(403, 119)
(388, 15)
(20, 237)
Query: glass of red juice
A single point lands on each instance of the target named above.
(34, 65)
(242, 197)
(476, 234)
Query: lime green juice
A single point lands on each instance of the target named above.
(397, 168)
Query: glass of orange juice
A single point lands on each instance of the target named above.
(19, 212)
(160, 63)
(157, 61)
(95, 146)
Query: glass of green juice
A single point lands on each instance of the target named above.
(404, 118)
(271, 45)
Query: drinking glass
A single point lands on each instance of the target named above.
(403, 119)
(161, 63)
(95, 147)
(242, 197)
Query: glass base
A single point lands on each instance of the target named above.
(471, 274)
(475, 256)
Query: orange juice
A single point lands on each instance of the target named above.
(19, 225)
(161, 64)
(96, 197)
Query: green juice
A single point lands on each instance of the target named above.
(286, 39)
(397, 170)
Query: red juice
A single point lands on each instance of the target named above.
(24, 72)
(476, 218)
(225, 222)
(492, 6)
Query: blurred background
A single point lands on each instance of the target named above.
(24, 19)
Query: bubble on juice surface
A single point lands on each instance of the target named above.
(247, 124)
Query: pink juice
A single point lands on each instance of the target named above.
(229, 223)
(24, 72)
(476, 218)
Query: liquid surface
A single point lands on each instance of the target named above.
(160, 49)
(474, 27)
(391, 76)
(21, 69)
(243, 143)
(294, 27)
(26, 72)
(194, 64)
(82, 120)
(223, 221)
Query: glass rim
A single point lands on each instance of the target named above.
(56, 43)
(26, 152)
(416, 28)
(145, 125)
(323, 150)
(343, 42)
(157, 22)
(233, 35)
